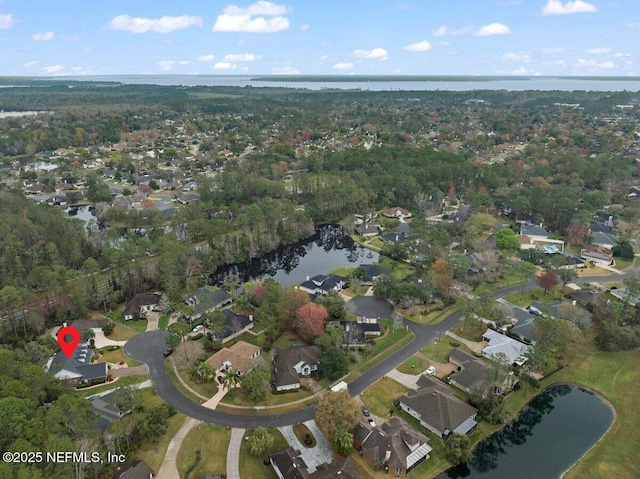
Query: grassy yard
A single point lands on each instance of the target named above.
(136, 378)
(139, 325)
(434, 317)
(252, 466)
(301, 431)
(622, 264)
(439, 350)
(414, 365)
(472, 331)
(116, 356)
(125, 331)
(536, 294)
(236, 398)
(379, 397)
(178, 385)
(399, 269)
(163, 321)
(383, 347)
(204, 451)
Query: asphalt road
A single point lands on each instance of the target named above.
(149, 348)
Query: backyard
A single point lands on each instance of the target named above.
(253, 466)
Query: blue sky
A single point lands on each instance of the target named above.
(330, 37)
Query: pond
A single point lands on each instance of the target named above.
(329, 248)
(550, 435)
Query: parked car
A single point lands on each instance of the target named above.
(168, 352)
(431, 370)
(197, 328)
(372, 422)
(365, 411)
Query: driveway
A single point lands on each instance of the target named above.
(312, 456)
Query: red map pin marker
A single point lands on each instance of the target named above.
(68, 347)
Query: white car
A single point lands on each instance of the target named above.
(431, 370)
(372, 422)
(197, 328)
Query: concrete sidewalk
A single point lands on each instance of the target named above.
(169, 467)
(233, 454)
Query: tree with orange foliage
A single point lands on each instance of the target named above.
(310, 320)
(295, 299)
(442, 276)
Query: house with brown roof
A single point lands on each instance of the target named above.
(394, 445)
(397, 212)
(141, 304)
(438, 409)
(239, 357)
(292, 363)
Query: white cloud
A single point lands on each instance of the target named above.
(525, 71)
(517, 57)
(444, 31)
(43, 37)
(166, 65)
(598, 51)
(224, 66)
(252, 18)
(493, 29)
(556, 7)
(562, 63)
(241, 57)
(440, 32)
(552, 51)
(304, 28)
(70, 38)
(380, 53)
(622, 55)
(343, 66)
(206, 58)
(6, 20)
(607, 65)
(164, 24)
(323, 57)
(422, 46)
(285, 71)
(53, 69)
(633, 26)
(30, 64)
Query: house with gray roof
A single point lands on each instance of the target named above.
(292, 363)
(394, 445)
(78, 368)
(321, 284)
(206, 300)
(472, 372)
(141, 304)
(535, 232)
(439, 410)
(606, 240)
(501, 345)
(137, 470)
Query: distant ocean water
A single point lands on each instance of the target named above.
(378, 83)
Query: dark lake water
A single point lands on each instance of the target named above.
(329, 248)
(551, 434)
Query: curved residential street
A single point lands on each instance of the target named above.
(148, 347)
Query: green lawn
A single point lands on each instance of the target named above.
(178, 385)
(414, 365)
(434, 317)
(379, 397)
(301, 431)
(136, 378)
(533, 295)
(204, 451)
(140, 325)
(252, 466)
(472, 330)
(235, 397)
(163, 321)
(439, 350)
(116, 356)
